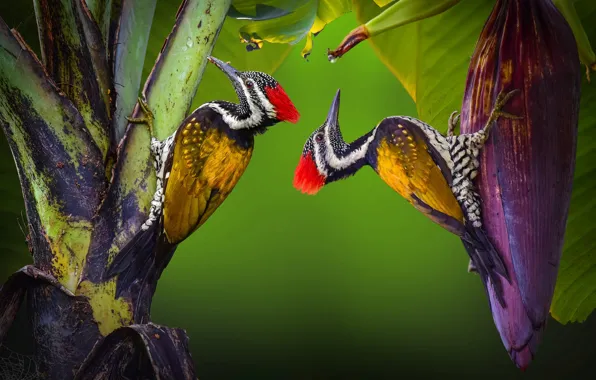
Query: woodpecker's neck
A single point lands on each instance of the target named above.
(343, 159)
(246, 115)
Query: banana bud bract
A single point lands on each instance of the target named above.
(527, 165)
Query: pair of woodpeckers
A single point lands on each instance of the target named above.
(201, 162)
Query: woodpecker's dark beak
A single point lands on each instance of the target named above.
(333, 114)
(231, 72)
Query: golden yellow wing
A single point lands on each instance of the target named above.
(408, 164)
(206, 165)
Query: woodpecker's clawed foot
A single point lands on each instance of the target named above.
(452, 123)
(482, 135)
(146, 119)
(500, 102)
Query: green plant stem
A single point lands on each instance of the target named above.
(586, 53)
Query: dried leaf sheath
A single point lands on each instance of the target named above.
(527, 165)
(147, 351)
(12, 293)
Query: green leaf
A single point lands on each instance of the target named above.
(262, 9)
(306, 21)
(288, 29)
(430, 57)
(382, 3)
(575, 293)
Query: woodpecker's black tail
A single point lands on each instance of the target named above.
(486, 259)
(136, 260)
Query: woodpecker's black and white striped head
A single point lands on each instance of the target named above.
(262, 101)
(326, 157)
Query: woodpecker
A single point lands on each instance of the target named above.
(199, 164)
(433, 172)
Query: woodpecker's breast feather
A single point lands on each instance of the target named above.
(204, 167)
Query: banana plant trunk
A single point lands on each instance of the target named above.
(87, 177)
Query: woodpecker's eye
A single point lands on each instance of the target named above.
(319, 137)
(249, 83)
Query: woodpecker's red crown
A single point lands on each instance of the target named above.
(284, 108)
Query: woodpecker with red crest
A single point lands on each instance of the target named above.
(433, 172)
(199, 165)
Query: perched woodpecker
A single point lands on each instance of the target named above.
(433, 172)
(200, 163)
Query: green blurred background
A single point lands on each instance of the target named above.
(352, 283)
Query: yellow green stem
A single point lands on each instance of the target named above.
(586, 54)
(401, 13)
(407, 11)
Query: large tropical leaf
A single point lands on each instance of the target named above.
(575, 294)
(262, 9)
(431, 58)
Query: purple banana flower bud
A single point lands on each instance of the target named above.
(527, 165)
